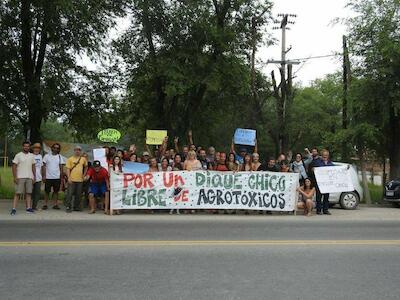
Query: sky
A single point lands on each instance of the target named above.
(313, 34)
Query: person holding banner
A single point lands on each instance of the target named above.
(192, 163)
(177, 164)
(247, 165)
(256, 162)
(117, 164)
(153, 166)
(324, 161)
(232, 164)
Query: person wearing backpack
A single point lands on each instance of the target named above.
(77, 166)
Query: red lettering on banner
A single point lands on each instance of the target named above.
(147, 180)
(179, 181)
(183, 196)
(168, 181)
(128, 178)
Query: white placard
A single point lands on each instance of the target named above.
(335, 179)
(100, 155)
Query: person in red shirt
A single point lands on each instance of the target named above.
(99, 185)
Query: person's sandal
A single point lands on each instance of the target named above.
(44, 207)
(56, 207)
(92, 212)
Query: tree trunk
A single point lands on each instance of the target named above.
(367, 195)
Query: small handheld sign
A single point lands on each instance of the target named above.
(109, 135)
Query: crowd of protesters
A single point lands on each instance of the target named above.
(81, 179)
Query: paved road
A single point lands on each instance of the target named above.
(193, 257)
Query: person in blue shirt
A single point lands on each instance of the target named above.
(323, 161)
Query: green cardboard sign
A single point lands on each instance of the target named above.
(109, 135)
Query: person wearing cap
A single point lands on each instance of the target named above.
(23, 170)
(99, 185)
(39, 172)
(53, 164)
(242, 153)
(77, 167)
(145, 157)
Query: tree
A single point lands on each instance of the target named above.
(188, 66)
(375, 43)
(39, 44)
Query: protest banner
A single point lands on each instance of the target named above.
(100, 155)
(109, 135)
(205, 190)
(155, 137)
(134, 167)
(245, 137)
(335, 179)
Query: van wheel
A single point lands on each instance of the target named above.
(349, 200)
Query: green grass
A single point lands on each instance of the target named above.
(7, 186)
(376, 192)
(6, 183)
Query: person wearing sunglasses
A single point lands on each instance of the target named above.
(53, 163)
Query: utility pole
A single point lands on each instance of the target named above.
(283, 92)
(346, 84)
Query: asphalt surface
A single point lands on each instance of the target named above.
(200, 257)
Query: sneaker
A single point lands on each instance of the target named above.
(68, 210)
(56, 207)
(77, 209)
(30, 210)
(327, 213)
(44, 207)
(319, 213)
(13, 212)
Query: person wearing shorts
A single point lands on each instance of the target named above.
(53, 164)
(99, 185)
(24, 170)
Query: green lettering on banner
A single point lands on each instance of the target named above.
(236, 184)
(209, 190)
(200, 179)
